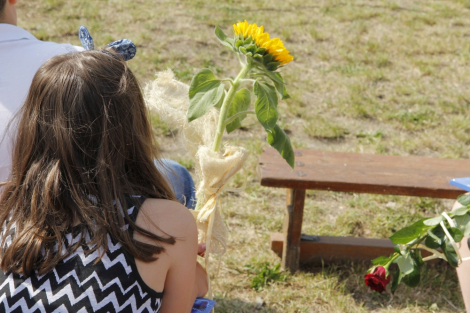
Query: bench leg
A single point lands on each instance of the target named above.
(292, 229)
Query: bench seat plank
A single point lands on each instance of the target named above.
(364, 173)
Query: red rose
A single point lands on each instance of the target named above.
(377, 280)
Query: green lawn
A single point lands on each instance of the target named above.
(368, 76)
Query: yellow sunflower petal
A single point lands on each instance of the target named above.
(239, 28)
(251, 29)
(262, 39)
(245, 28)
(257, 32)
(284, 58)
(269, 45)
(235, 29)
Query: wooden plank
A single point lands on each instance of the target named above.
(364, 173)
(292, 229)
(338, 249)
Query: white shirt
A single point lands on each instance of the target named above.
(21, 54)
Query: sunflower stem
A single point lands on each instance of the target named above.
(223, 118)
(226, 104)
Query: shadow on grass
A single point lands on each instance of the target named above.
(438, 291)
(238, 305)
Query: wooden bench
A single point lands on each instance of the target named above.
(349, 172)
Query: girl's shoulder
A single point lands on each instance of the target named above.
(167, 217)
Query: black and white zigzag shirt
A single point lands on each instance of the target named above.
(78, 285)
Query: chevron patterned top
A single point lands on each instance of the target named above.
(78, 285)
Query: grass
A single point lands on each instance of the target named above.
(369, 76)
(264, 275)
(318, 127)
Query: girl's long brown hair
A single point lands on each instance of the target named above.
(84, 142)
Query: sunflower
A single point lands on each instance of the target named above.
(253, 41)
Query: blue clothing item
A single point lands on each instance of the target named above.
(124, 47)
(179, 180)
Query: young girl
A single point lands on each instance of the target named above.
(87, 222)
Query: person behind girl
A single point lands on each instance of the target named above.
(88, 223)
(21, 55)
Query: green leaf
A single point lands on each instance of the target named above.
(241, 102)
(278, 82)
(405, 263)
(435, 238)
(205, 92)
(266, 105)
(459, 211)
(450, 253)
(224, 39)
(412, 279)
(221, 101)
(416, 255)
(278, 139)
(464, 199)
(281, 87)
(456, 234)
(463, 223)
(396, 279)
(432, 243)
(434, 221)
(272, 76)
(409, 233)
(381, 260)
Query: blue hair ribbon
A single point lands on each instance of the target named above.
(123, 47)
